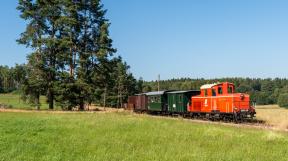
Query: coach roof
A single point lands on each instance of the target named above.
(175, 92)
(155, 93)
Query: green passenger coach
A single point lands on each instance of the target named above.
(179, 100)
(157, 101)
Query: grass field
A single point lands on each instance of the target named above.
(124, 136)
(14, 101)
(273, 115)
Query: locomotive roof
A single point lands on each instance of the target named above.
(207, 86)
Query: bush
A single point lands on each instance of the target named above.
(283, 100)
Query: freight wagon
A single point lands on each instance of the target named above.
(138, 103)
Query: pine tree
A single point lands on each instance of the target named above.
(73, 53)
(33, 85)
(19, 73)
(90, 45)
(40, 35)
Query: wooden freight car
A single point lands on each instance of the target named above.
(138, 103)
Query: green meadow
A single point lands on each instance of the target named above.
(14, 101)
(48, 136)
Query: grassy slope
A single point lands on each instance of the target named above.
(121, 136)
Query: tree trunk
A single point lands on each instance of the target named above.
(51, 76)
(81, 105)
(51, 99)
(104, 104)
(121, 101)
(71, 64)
(37, 102)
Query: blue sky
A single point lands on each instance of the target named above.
(184, 38)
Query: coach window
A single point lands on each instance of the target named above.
(213, 92)
(220, 90)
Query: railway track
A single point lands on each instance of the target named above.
(255, 124)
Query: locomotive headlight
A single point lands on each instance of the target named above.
(242, 96)
(235, 108)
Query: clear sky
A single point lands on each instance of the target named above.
(184, 38)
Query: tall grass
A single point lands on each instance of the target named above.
(273, 115)
(122, 136)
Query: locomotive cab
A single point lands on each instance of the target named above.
(217, 89)
(221, 100)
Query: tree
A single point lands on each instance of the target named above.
(1, 82)
(33, 84)
(94, 50)
(127, 84)
(19, 74)
(147, 88)
(65, 34)
(41, 35)
(243, 88)
(8, 83)
(139, 87)
(283, 100)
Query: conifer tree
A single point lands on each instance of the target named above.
(73, 53)
(41, 35)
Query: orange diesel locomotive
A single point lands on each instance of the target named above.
(218, 101)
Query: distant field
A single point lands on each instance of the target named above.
(273, 115)
(130, 137)
(14, 101)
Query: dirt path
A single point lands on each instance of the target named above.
(255, 125)
(98, 110)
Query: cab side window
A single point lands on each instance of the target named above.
(213, 92)
(220, 90)
(205, 92)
